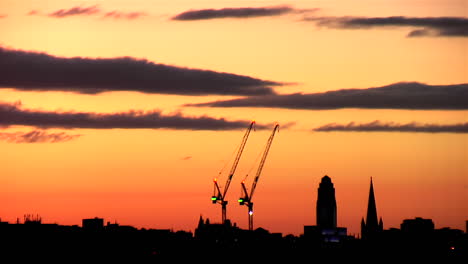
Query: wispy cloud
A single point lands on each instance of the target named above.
(36, 136)
(75, 11)
(123, 15)
(33, 12)
(404, 95)
(94, 10)
(426, 26)
(35, 71)
(378, 126)
(239, 12)
(13, 114)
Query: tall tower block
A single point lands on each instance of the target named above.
(326, 204)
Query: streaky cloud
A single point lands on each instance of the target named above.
(378, 126)
(36, 136)
(239, 12)
(123, 15)
(403, 95)
(33, 12)
(90, 11)
(427, 26)
(34, 71)
(12, 114)
(75, 11)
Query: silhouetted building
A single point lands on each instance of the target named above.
(417, 225)
(326, 232)
(93, 224)
(326, 204)
(30, 219)
(371, 227)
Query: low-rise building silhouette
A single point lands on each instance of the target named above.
(93, 224)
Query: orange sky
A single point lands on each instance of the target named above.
(162, 178)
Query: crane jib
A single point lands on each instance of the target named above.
(262, 161)
(220, 196)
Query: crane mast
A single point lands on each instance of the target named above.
(247, 199)
(220, 196)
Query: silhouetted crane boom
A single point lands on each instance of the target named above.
(262, 161)
(247, 199)
(219, 195)
(238, 156)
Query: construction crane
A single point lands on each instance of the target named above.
(220, 196)
(247, 198)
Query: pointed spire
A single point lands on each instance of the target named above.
(371, 218)
(200, 222)
(372, 226)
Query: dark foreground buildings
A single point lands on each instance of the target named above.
(416, 241)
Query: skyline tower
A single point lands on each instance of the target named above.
(371, 226)
(326, 204)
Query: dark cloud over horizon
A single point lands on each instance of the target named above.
(404, 95)
(378, 126)
(238, 12)
(426, 26)
(36, 136)
(12, 114)
(33, 71)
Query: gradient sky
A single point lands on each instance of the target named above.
(85, 132)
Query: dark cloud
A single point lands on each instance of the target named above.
(186, 158)
(428, 26)
(123, 15)
(12, 114)
(241, 12)
(34, 71)
(378, 126)
(405, 95)
(74, 11)
(36, 136)
(3, 16)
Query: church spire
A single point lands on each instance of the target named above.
(371, 218)
(372, 225)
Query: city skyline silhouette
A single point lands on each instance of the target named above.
(415, 239)
(326, 216)
(152, 115)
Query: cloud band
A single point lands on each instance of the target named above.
(13, 114)
(404, 95)
(34, 71)
(378, 126)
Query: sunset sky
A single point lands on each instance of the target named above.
(127, 110)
